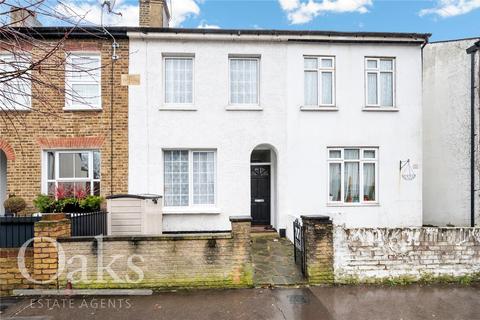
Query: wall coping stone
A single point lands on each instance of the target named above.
(53, 216)
(163, 237)
(317, 218)
(240, 218)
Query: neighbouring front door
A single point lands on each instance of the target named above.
(3, 181)
(260, 191)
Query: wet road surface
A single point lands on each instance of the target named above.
(316, 303)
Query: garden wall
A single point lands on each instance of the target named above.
(166, 261)
(406, 254)
(10, 275)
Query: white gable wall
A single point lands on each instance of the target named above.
(300, 138)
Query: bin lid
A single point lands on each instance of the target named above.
(134, 196)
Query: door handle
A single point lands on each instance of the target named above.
(259, 200)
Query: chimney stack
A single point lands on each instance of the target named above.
(21, 17)
(154, 13)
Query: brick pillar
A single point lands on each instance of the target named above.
(241, 228)
(45, 252)
(319, 249)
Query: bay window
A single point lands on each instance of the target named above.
(72, 173)
(319, 81)
(82, 81)
(189, 178)
(380, 82)
(353, 175)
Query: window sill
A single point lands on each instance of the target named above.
(380, 109)
(190, 210)
(243, 108)
(96, 109)
(373, 204)
(319, 108)
(178, 108)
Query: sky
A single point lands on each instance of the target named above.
(445, 19)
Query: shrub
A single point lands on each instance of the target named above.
(48, 204)
(15, 204)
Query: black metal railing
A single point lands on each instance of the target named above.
(88, 223)
(15, 231)
(299, 246)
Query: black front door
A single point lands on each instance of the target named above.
(260, 193)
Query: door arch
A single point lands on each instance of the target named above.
(263, 197)
(3, 181)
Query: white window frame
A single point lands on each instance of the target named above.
(243, 105)
(190, 180)
(78, 105)
(56, 169)
(319, 71)
(362, 160)
(378, 72)
(10, 58)
(175, 105)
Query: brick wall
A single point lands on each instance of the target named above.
(168, 261)
(30, 132)
(370, 255)
(10, 275)
(318, 249)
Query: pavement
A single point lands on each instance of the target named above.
(315, 303)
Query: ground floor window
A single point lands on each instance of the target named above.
(189, 178)
(353, 175)
(73, 173)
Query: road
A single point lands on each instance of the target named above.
(316, 303)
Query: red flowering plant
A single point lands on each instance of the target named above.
(68, 199)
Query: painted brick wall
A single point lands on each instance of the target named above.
(168, 261)
(83, 129)
(10, 276)
(367, 255)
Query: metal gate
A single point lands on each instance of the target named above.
(299, 246)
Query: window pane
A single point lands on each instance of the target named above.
(386, 89)
(178, 80)
(369, 154)
(203, 178)
(310, 63)
(372, 64)
(66, 165)
(335, 182)
(85, 94)
(96, 165)
(352, 182)
(372, 88)
(259, 156)
(369, 182)
(51, 188)
(311, 88)
(176, 183)
(352, 154)
(81, 165)
(65, 190)
(327, 88)
(96, 188)
(335, 154)
(51, 166)
(327, 63)
(244, 81)
(386, 65)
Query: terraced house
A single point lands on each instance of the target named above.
(64, 122)
(277, 124)
(270, 123)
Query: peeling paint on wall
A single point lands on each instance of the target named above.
(379, 253)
